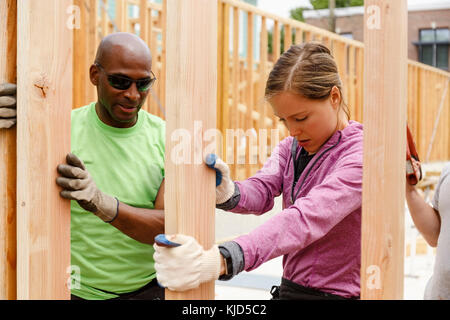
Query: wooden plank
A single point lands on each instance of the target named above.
(44, 78)
(287, 37)
(93, 42)
(80, 61)
(385, 73)
(234, 119)
(192, 79)
(223, 111)
(298, 36)
(276, 41)
(144, 20)
(250, 92)
(8, 40)
(122, 15)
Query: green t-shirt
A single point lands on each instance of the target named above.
(129, 165)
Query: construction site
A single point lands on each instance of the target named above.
(211, 60)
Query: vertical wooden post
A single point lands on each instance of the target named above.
(44, 78)
(93, 42)
(80, 61)
(122, 15)
(249, 94)
(144, 21)
(8, 41)
(192, 80)
(385, 81)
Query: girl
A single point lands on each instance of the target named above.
(318, 170)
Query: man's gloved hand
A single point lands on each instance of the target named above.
(78, 185)
(186, 266)
(224, 184)
(8, 114)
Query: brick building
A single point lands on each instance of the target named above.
(428, 28)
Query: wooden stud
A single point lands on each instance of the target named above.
(223, 110)
(192, 79)
(276, 41)
(44, 103)
(383, 205)
(249, 94)
(122, 15)
(80, 60)
(235, 114)
(8, 40)
(93, 42)
(287, 37)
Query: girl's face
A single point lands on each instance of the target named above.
(312, 122)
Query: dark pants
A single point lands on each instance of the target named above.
(289, 290)
(151, 291)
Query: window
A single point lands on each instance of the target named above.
(347, 35)
(433, 47)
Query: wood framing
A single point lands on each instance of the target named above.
(44, 78)
(8, 40)
(191, 110)
(385, 98)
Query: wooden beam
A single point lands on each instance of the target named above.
(192, 80)
(8, 40)
(44, 78)
(385, 96)
(81, 80)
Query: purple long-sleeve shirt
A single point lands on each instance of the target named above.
(318, 234)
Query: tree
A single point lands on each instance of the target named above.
(323, 4)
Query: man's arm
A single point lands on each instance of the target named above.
(142, 224)
(138, 223)
(425, 217)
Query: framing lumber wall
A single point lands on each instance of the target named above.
(8, 39)
(44, 75)
(385, 98)
(191, 110)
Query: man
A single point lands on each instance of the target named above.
(115, 173)
(433, 222)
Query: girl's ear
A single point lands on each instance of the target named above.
(335, 97)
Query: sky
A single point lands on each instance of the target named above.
(281, 7)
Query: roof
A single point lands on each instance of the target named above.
(413, 5)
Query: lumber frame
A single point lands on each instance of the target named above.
(385, 98)
(44, 78)
(191, 55)
(8, 39)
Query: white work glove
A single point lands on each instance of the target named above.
(224, 184)
(186, 266)
(8, 114)
(78, 185)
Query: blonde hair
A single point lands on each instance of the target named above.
(308, 70)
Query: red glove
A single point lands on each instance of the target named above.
(413, 168)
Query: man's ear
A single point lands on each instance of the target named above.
(94, 74)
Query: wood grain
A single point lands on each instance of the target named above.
(44, 76)
(191, 96)
(8, 40)
(385, 90)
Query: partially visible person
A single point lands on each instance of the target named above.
(7, 105)
(317, 170)
(433, 222)
(114, 174)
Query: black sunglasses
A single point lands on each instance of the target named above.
(124, 83)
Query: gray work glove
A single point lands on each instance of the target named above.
(8, 115)
(78, 185)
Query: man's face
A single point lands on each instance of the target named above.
(121, 106)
